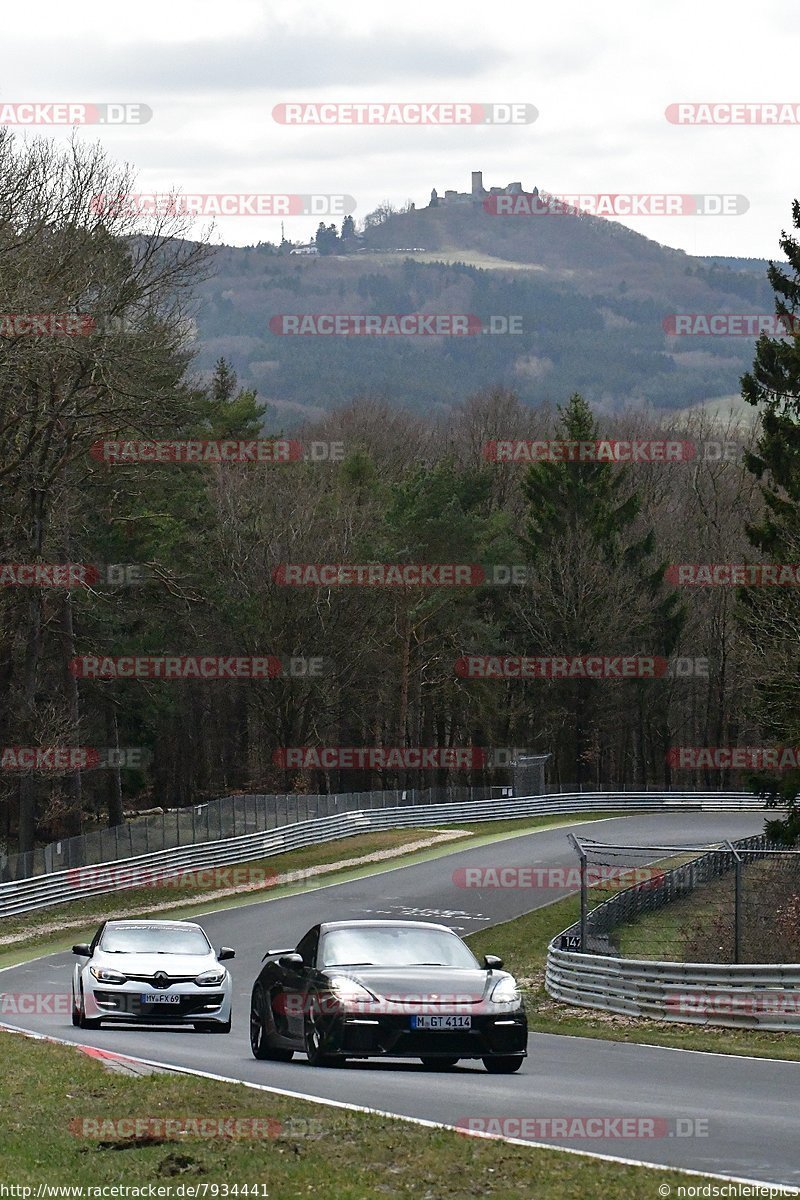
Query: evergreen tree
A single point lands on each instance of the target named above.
(596, 587)
(226, 413)
(327, 239)
(771, 617)
(348, 232)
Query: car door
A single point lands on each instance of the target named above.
(293, 985)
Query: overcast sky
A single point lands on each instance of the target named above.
(600, 76)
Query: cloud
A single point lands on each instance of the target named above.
(269, 59)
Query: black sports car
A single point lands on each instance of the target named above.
(387, 989)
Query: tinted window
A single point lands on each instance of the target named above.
(395, 946)
(308, 946)
(153, 939)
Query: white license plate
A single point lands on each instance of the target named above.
(150, 998)
(451, 1022)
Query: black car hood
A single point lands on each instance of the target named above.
(432, 984)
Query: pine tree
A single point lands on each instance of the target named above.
(771, 617)
(597, 588)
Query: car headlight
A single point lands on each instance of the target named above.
(105, 975)
(350, 990)
(211, 978)
(506, 992)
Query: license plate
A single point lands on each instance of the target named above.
(451, 1022)
(151, 998)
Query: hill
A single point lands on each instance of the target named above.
(589, 298)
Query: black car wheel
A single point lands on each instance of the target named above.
(76, 1012)
(312, 1036)
(83, 1021)
(259, 1031)
(441, 1063)
(503, 1064)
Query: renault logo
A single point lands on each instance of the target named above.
(160, 980)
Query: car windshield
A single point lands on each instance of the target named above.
(153, 939)
(394, 946)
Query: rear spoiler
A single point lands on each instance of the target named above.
(276, 953)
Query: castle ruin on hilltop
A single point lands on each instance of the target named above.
(477, 194)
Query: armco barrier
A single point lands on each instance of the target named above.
(753, 996)
(764, 996)
(43, 891)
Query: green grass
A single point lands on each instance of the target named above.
(55, 929)
(522, 944)
(313, 1150)
(661, 935)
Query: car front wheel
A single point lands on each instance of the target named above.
(503, 1064)
(83, 1021)
(312, 1037)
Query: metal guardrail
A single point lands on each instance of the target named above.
(756, 996)
(27, 895)
(764, 996)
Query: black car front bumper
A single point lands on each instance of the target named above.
(392, 1036)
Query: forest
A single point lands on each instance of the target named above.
(560, 558)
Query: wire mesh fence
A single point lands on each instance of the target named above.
(167, 828)
(228, 817)
(731, 902)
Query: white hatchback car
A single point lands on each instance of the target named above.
(154, 973)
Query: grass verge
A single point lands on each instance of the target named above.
(522, 944)
(47, 1091)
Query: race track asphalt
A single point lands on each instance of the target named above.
(750, 1105)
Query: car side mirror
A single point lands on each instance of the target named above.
(290, 960)
(225, 952)
(84, 949)
(492, 962)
